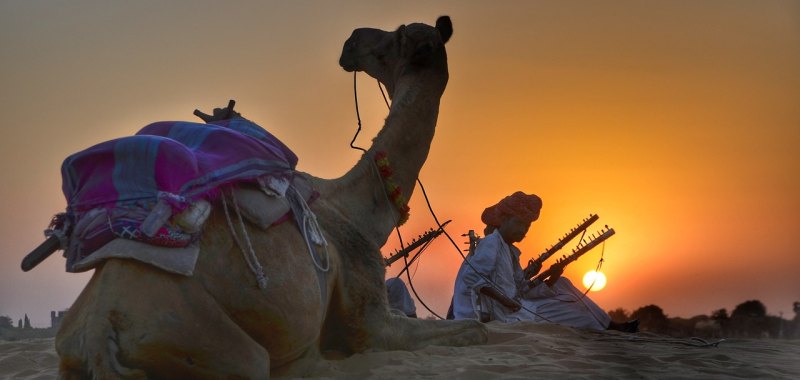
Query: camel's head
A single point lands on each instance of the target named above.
(386, 56)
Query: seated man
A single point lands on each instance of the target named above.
(399, 298)
(490, 284)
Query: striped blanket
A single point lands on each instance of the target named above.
(131, 186)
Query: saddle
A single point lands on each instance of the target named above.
(146, 197)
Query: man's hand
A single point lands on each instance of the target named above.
(495, 294)
(532, 269)
(555, 273)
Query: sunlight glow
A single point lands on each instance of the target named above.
(595, 280)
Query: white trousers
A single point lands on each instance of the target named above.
(563, 304)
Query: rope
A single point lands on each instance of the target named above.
(597, 268)
(378, 175)
(692, 342)
(358, 115)
(312, 232)
(408, 263)
(373, 165)
(249, 254)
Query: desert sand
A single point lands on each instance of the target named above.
(519, 351)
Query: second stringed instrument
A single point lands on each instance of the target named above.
(537, 262)
(576, 253)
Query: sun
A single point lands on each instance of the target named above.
(595, 280)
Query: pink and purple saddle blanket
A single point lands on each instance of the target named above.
(129, 187)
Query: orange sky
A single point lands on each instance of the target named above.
(677, 122)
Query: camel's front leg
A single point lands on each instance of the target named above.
(401, 333)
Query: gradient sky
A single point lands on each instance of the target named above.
(677, 122)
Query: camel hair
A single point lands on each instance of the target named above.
(133, 320)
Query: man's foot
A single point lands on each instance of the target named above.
(628, 327)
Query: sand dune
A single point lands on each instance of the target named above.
(518, 351)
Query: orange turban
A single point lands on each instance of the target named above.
(523, 206)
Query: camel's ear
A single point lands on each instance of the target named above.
(401, 40)
(400, 35)
(445, 28)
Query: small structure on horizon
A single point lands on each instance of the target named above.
(56, 317)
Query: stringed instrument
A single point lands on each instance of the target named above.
(472, 244)
(577, 252)
(534, 265)
(422, 239)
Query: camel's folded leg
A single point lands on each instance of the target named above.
(402, 333)
(166, 326)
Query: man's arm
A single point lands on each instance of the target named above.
(489, 291)
(481, 265)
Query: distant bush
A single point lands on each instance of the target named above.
(15, 334)
(6, 322)
(652, 319)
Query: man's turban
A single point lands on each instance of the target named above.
(523, 206)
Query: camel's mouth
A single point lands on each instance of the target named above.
(348, 65)
(348, 60)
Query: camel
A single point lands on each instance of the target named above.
(133, 320)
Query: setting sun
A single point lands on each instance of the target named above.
(595, 280)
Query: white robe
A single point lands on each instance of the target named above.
(497, 262)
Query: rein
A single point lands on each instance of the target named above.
(380, 162)
(402, 205)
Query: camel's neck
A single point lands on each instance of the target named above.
(405, 139)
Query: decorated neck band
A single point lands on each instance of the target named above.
(392, 188)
